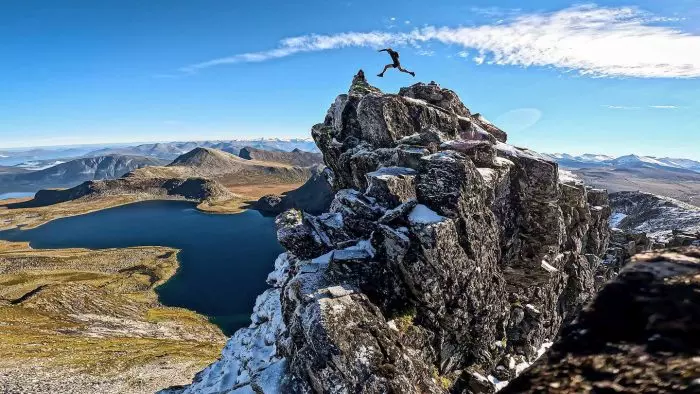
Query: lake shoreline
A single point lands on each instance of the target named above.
(241, 229)
(41, 290)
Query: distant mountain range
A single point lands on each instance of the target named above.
(628, 161)
(39, 158)
(73, 172)
(34, 169)
(200, 174)
(674, 178)
(171, 150)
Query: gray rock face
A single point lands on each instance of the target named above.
(447, 259)
(639, 335)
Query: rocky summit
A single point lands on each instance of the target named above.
(447, 262)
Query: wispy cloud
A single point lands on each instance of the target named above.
(664, 106)
(494, 12)
(595, 41)
(626, 107)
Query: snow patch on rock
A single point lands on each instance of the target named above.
(424, 215)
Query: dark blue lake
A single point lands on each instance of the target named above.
(223, 263)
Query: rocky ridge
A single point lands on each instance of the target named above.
(296, 157)
(663, 218)
(447, 262)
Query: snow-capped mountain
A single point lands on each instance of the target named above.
(682, 163)
(171, 150)
(628, 161)
(639, 161)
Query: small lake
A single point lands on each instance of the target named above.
(224, 259)
(5, 196)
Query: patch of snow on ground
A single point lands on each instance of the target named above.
(415, 101)
(387, 172)
(362, 250)
(498, 384)
(424, 215)
(526, 153)
(616, 219)
(520, 367)
(250, 356)
(568, 176)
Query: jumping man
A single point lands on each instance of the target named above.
(396, 64)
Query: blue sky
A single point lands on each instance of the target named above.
(613, 77)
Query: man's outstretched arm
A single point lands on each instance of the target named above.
(383, 50)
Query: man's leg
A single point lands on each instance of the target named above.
(388, 66)
(403, 70)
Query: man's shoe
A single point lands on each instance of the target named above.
(413, 74)
(380, 75)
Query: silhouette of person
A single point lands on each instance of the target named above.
(396, 63)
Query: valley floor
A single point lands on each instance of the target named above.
(683, 187)
(86, 321)
(246, 195)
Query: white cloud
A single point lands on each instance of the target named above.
(494, 12)
(463, 54)
(664, 106)
(596, 41)
(626, 107)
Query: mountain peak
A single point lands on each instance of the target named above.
(361, 86)
(201, 157)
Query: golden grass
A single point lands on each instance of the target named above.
(244, 196)
(96, 310)
(33, 217)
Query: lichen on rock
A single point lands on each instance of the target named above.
(434, 213)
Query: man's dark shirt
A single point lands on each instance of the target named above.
(394, 56)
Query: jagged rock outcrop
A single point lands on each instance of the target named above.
(314, 196)
(447, 262)
(640, 335)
